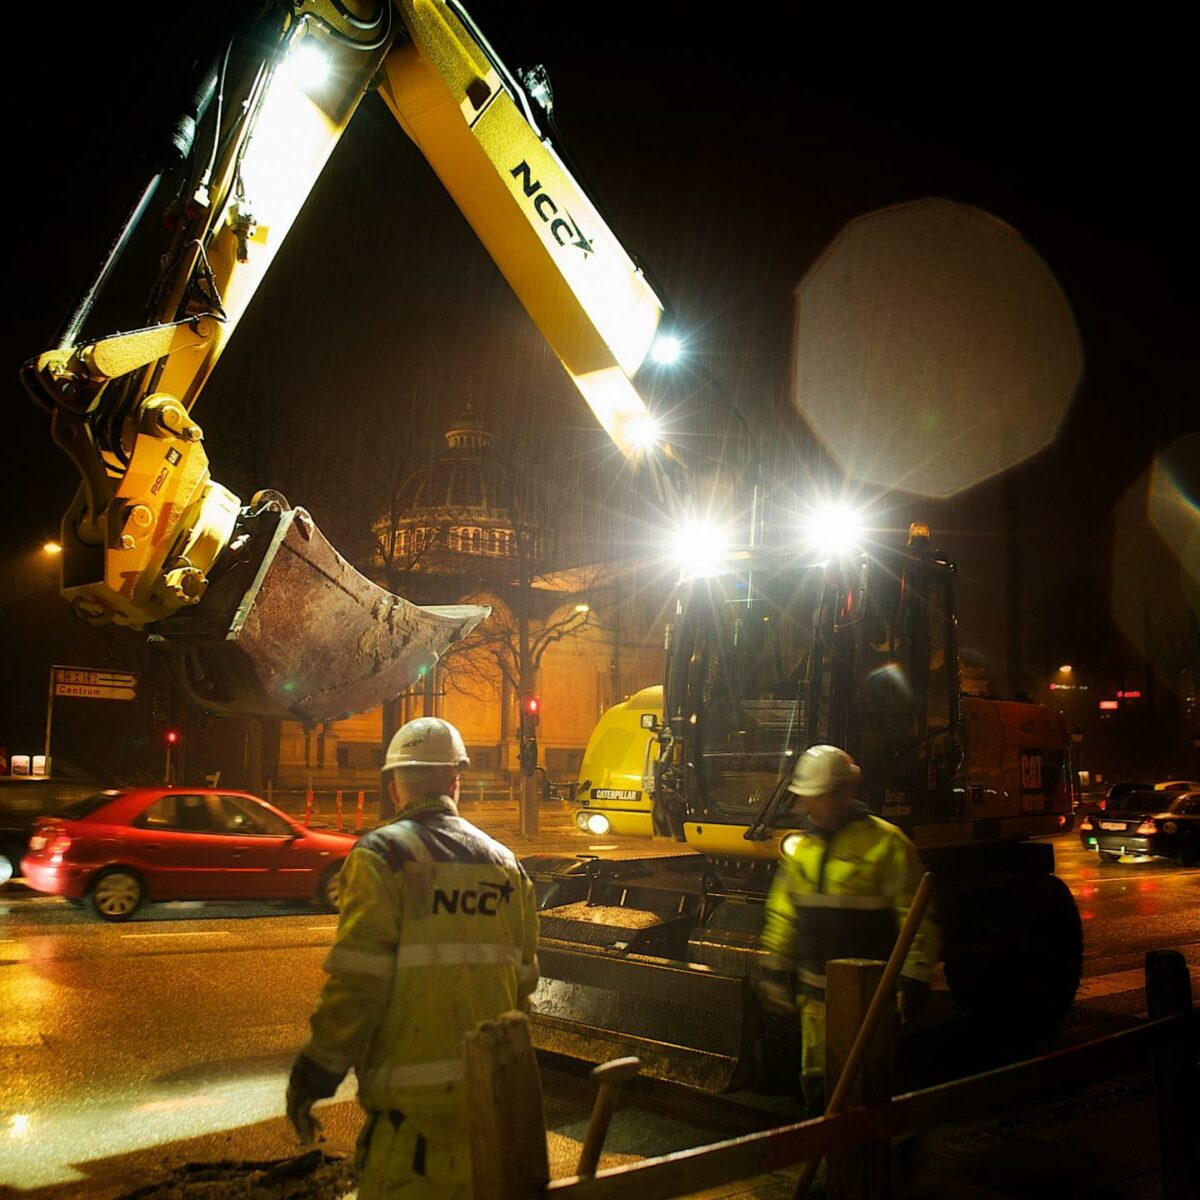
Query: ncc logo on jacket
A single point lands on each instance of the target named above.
(472, 901)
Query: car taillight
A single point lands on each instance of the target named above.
(1147, 826)
(60, 843)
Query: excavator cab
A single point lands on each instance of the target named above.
(776, 654)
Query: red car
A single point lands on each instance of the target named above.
(118, 849)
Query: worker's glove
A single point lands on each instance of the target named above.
(307, 1084)
(776, 992)
(913, 994)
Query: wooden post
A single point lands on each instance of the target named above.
(1176, 1078)
(850, 986)
(505, 1118)
(883, 1000)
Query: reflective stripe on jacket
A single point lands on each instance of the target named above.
(437, 932)
(845, 895)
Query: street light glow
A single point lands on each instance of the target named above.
(1066, 669)
(51, 548)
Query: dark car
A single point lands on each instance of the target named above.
(120, 848)
(23, 799)
(1147, 824)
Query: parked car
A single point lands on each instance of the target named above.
(23, 799)
(1147, 824)
(120, 848)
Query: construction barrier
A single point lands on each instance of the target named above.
(308, 807)
(358, 812)
(1167, 1042)
(338, 804)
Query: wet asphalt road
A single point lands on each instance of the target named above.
(169, 1037)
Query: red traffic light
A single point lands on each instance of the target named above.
(172, 737)
(533, 706)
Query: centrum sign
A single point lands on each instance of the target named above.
(83, 683)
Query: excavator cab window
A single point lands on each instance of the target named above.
(749, 661)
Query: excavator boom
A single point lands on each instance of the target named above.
(252, 603)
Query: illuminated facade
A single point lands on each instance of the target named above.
(594, 629)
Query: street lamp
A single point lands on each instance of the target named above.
(51, 548)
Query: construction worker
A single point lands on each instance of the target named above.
(437, 931)
(842, 890)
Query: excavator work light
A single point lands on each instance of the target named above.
(834, 529)
(644, 432)
(307, 64)
(700, 549)
(666, 349)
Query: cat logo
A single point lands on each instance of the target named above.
(472, 902)
(564, 231)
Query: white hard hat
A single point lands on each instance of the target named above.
(822, 769)
(426, 742)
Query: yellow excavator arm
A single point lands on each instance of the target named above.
(259, 612)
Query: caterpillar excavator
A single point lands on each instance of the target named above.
(260, 615)
(654, 951)
(257, 611)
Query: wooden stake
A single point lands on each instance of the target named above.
(505, 1117)
(1176, 1078)
(879, 1002)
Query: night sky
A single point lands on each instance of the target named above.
(727, 151)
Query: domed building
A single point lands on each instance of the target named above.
(470, 527)
(459, 503)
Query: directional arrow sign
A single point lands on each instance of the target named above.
(83, 683)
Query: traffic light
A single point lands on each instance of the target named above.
(529, 756)
(171, 737)
(531, 714)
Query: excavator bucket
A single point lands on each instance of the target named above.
(643, 978)
(288, 628)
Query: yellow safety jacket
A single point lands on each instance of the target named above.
(437, 932)
(844, 894)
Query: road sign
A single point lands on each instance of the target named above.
(83, 683)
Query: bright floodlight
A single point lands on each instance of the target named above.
(700, 549)
(307, 63)
(834, 529)
(51, 548)
(644, 432)
(666, 349)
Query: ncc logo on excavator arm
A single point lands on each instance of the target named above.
(563, 228)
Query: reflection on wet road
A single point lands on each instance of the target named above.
(182, 1024)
